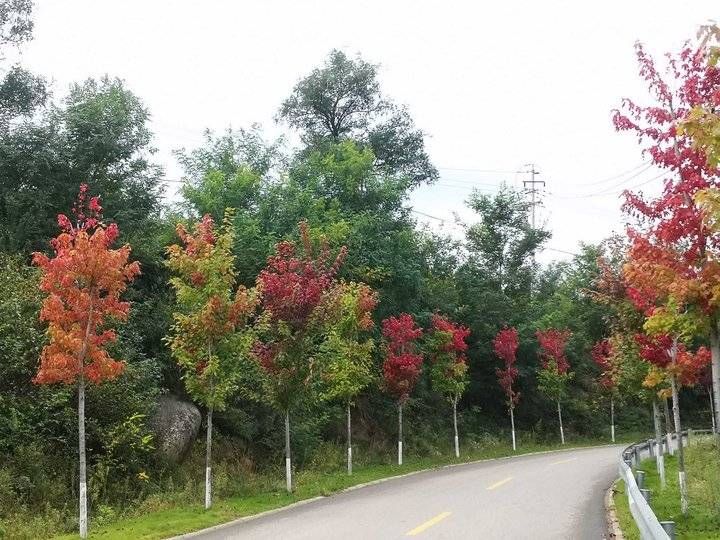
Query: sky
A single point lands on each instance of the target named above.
(496, 86)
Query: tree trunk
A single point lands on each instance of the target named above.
(712, 410)
(208, 460)
(678, 434)
(457, 442)
(668, 428)
(715, 365)
(659, 456)
(349, 440)
(81, 452)
(400, 434)
(612, 418)
(512, 426)
(288, 463)
(562, 433)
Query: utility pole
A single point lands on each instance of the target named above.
(531, 187)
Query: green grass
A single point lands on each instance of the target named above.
(702, 463)
(162, 517)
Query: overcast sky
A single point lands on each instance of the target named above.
(495, 85)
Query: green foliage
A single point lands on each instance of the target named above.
(552, 382)
(347, 355)
(204, 341)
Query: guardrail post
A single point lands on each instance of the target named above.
(690, 435)
(651, 448)
(640, 478)
(636, 455)
(669, 528)
(647, 494)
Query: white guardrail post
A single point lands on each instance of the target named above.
(647, 522)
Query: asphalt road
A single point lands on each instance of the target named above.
(555, 495)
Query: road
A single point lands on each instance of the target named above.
(554, 495)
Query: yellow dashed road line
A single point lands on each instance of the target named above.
(429, 523)
(500, 483)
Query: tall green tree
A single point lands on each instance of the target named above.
(342, 100)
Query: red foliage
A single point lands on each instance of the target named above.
(505, 346)
(400, 373)
(294, 285)
(402, 365)
(552, 347)
(83, 281)
(691, 366)
(457, 332)
(670, 254)
(400, 332)
(655, 349)
(601, 354)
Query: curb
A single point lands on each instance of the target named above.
(252, 517)
(613, 524)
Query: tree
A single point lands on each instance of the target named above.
(348, 366)
(402, 365)
(601, 354)
(83, 282)
(209, 332)
(100, 135)
(505, 346)
(671, 324)
(554, 375)
(342, 100)
(446, 345)
(670, 246)
(300, 295)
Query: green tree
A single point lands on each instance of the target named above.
(210, 334)
(347, 354)
(446, 346)
(342, 100)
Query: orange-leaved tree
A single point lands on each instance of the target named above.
(83, 280)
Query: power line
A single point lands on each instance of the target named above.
(615, 176)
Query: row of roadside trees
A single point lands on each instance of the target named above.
(300, 333)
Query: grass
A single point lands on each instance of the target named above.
(702, 463)
(162, 517)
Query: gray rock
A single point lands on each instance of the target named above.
(175, 426)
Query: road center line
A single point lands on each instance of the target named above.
(429, 523)
(563, 461)
(500, 483)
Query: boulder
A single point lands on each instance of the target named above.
(175, 425)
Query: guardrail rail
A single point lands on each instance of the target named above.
(647, 522)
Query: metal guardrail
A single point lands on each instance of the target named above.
(647, 522)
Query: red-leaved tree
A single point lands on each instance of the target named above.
(83, 280)
(672, 251)
(403, 364)
(505, 346)
(300, 298)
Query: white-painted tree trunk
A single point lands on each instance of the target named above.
(512, 426)
(715, 373)
(288, 462)
(678, 434)
(562, 432)
(400, 434)
(659, 456)
(668, 429)
(83, 518)
(208, 460)
(349, 440)
(457, 441)
(612, 418)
